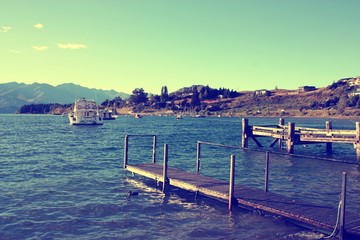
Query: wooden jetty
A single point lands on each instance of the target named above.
(337, 222)
(287, 136)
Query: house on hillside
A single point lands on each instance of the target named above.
(354, 81)
(306, 89)
(345, 80)
(262, 92)
(354, 92)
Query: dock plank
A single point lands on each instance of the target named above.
(308, 214)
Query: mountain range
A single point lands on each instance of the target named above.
(13, 95)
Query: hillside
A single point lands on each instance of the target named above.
(341, 99)
(14, 95)
(323, 102)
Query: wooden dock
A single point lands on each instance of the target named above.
(320, 218)
(288, 136)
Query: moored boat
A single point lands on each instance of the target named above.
(108, 115)
(85, 112)
(178, 117)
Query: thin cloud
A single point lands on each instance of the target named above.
(40, 48)
(15, 51)
(38, 26)
(71, 46)
(5, 29)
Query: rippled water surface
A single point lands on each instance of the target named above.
(66, 182)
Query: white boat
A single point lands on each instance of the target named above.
(108, 115)
(178, 117)
(85, 112)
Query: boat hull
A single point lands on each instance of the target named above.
(85, 112)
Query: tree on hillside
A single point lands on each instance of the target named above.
(138, 96)
(164, 94)
(116, 102)
(195, 100)
(341, 104)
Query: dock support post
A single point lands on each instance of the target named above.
(126, 150)
(280, 140)
(290, 139)
(281, 121)
(165, 168)
(328, 144)
(244, 136)
(232, 181)
(343, 205)
(198, 157)
(357, 144)
(267, 172)
(154, 150)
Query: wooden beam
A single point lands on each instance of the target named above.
(328, 144)
(126, 150)
(198, 157)
(165, 167)
(244, 136)
(232, 181)
(291, 137)
(281, 121)
(357, 143)
(154, 149)
(267, 172)
(343, 205)
(276, 140)
(256, 141)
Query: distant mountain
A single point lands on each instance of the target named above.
(14, 95)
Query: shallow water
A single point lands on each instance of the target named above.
(65, 182)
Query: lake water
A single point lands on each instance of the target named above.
(66, 182)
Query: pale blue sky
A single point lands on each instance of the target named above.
(125, 44)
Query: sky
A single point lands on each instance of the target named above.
(127, 44)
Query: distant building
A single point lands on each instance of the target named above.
(354, 92)
(354, 81)
(306, 89)
(345, 80)
(262, 92)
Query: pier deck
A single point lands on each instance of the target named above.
(290, 135)
(306, 214)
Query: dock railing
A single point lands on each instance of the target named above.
(198, 152)
(267, 160)
(126, 146)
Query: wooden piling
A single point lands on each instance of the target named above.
(343, 206)
(291, 137)
(154, 149)
(357, 144)
(198, 157)
(126, 150)
(165, 167)
(232, 181)
(328, 144)
(244, 136)
(280, 140)
(267, 172)
(281, 121)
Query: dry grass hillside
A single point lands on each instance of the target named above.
(322, 102)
